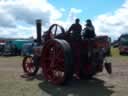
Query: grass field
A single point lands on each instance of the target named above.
(12, 82)
(115, 52)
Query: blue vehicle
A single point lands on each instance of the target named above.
(123, 44)
(9, 50)
(19, 44)
(27, 49)
(2, 48)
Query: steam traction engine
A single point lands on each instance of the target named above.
(61, 56)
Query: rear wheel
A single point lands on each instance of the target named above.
(94, 63)
(56, 61)
(87, 72)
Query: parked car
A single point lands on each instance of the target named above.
(27, 49)
(123, 44)
(19, 44)
(1, 48)
(115, 45)
(9, 50)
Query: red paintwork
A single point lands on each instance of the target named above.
(102, 41)
(123, 49)
(2, 41)
(52, 57)
(28, 65)
(53, 63)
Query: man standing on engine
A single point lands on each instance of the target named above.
(89, 30)
(76, 29)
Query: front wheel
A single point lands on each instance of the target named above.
(28, 66)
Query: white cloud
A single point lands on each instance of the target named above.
(27, 11)
(73, 14)
(14, 11)
(114, 23)
(62, 9)
(6, 20)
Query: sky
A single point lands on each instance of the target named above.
(17, 17)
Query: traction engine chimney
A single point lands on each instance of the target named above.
(38, 27)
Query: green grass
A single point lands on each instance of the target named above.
(19, 88)
(115, 52)
(116, 55)
(16, 58)
(12, 84)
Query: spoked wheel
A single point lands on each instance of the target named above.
(56, 61)
(28, 66)
(89, 67)
(56, 28)
(95, 64)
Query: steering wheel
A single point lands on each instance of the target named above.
(53, 29)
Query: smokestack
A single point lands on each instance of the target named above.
(38, 27)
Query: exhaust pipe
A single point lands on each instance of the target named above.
(38, 27)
